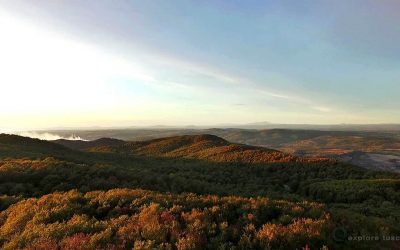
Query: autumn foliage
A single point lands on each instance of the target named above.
(206, 194)
(206, 147)
(139, 219)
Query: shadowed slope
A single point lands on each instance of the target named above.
(83, 145)
(18, 146)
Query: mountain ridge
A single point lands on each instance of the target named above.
(204, 147)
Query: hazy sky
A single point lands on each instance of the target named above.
(120, 63)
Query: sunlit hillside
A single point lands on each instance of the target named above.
(138, 219)
(201, 147)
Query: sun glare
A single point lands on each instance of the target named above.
(43, 71)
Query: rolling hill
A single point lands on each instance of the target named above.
(202, 147)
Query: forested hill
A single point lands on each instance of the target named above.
(186, 192)
(202, 147)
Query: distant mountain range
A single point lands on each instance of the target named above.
(253, 125)
(328, 127)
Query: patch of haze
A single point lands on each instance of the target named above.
(48, 136)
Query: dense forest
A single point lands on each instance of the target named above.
(188, 192)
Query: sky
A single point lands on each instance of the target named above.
(72, 63)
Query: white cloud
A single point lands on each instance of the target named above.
(48, 136)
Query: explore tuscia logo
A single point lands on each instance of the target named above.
(341, 234)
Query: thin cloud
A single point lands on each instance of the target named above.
(322, 109)
(249, 85)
